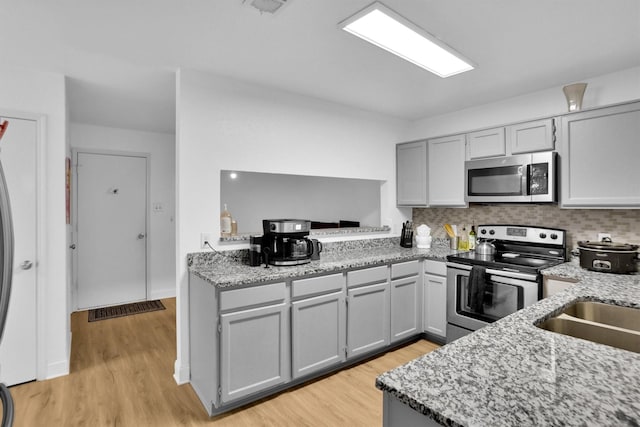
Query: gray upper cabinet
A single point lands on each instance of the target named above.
(487, 143)
(446, 171)
(411, 174)
(532, 136)
(599, 157)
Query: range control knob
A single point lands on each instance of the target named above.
(543, 236)
(554, 236)
(492, 232)
(483, 231)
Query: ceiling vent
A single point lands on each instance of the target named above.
(269, 6)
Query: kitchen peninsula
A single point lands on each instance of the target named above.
(255, 331)
(512, 373)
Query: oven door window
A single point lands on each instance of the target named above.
(499, 300)
(496, 181)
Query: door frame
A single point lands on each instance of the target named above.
(41, 240)
(74, 213)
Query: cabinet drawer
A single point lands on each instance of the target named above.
(435, 267)
(404, 269)
(368, 275)
(256, 295)
(316, 285)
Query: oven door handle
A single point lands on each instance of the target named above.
(501, 273)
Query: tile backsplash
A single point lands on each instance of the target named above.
(581, 224)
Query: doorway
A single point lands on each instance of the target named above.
(111, 228)
(18, 350)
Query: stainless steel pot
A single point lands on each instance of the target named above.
(485, 248)
(609, 257)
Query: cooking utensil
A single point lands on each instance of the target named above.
(485, 248)
(449, 230)
(609, 257)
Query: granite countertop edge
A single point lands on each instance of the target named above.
(421, 385)
(226, 272)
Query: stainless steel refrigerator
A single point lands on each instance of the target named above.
(6, 264)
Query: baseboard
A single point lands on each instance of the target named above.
(57, 369)
(181, 373)
(162, 293)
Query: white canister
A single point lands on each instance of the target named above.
(423, 242)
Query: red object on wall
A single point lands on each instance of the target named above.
(3, 128)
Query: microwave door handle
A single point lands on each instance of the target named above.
(529, 178)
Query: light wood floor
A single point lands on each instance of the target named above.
(122, 375)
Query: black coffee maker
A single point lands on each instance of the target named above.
(286, 242)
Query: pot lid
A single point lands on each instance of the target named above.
(608, 246)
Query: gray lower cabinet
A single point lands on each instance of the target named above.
(367, 310)
(318, 324)
(254, 352)
(435, 298)
(248, 342)
(406, 300)
(254, 340)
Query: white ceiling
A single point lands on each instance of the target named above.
(121, 55)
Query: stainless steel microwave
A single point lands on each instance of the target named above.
(525, 178)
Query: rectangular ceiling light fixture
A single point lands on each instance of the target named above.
(385, 28)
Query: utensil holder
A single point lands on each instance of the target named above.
(453, 242)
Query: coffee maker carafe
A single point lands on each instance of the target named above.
(286, 242)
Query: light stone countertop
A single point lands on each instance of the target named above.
(511, 373)
(227, 269)
(315, 233)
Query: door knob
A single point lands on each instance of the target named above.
(26, 265)
(140, 236)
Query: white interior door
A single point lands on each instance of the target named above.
(18, 348)
(111, 229)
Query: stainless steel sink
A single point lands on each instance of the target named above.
(607, 324)
(609, 314)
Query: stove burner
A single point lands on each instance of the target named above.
(525, 252)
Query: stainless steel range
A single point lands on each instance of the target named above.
(482, 288)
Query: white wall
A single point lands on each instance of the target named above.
(252, 197)
(602, 90)
(44, 94)
(161, 148)
(228, 124)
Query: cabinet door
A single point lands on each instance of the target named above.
(599, 157)
(487, 143)
(367, 318)
(318, 333)
(553, 286)
(533, 136)
(411, 174)
(446, 171)
(406, 307)
(253, 351)
(435, 305)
